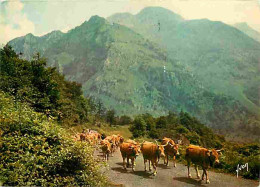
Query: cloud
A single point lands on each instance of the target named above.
(13, 21)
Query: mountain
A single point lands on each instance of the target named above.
(223, 58)
(132, 74)
(30, 44)
(244, 27)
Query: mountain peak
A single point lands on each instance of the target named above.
(96, 19)
(159, 12)
(29, 35)
(53, 33)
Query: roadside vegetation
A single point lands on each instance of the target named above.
(35, 149)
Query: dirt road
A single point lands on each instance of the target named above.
(167, 176)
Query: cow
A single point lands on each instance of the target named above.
(92, 138)
(129, 151)
(152, 152)
(170, 149)
(82, 137)
(112, 140)
(106, 149)
(118, 139)
(203, 157)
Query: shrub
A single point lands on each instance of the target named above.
(138, 128)
(36, 151)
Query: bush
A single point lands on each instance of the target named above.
(42, 88)
(36, 151)
(138, 127)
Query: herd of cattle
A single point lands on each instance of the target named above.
(152, 152)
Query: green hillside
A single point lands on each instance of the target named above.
(133, 75)
(224, 59)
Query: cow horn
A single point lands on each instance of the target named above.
(156, 142)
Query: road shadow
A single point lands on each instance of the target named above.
(144, 174)
(120, 163)
(138, 173)
(119, 169)
(188, 180)
(163, 166)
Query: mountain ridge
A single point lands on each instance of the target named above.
(206, 41)
(133, 75)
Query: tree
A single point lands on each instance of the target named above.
(139, 127)
(100, 109)
(161, 122)
(125, 120)
(110, 117)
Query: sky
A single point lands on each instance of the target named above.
(20, 17)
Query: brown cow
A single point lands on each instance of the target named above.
(152, 152)
(170, 149)
(203, 157)
(118, 139)
(106, 149)
(112, 141)
(92, 138)
(129, 151)
(83, 136)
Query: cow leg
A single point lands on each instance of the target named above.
(150, 169)
(124, 165)
(207, 177)
(154, 167)
(145, 164)
(107, 155)
(112, 149)
(188, 165)
(133, 164)
(203, 173)
(197, 171)
(127, 165)
(167, 159)
(174, 161)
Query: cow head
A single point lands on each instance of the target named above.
(121, 139)
(106, 147)
(213, 156)
(138, 147)
(160, 150)
(175, 148)
(135, 150)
